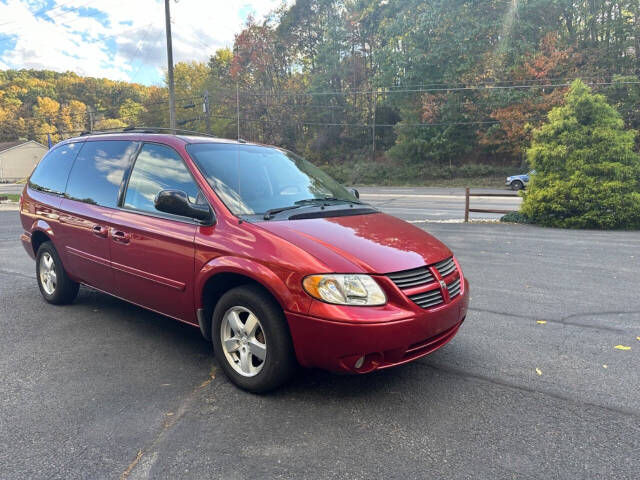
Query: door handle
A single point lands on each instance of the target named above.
(120, 236)
(100, 231)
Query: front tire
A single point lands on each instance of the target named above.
(55, 285)
(517, 185)
(251, 339)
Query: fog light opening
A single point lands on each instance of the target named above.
(359, 363)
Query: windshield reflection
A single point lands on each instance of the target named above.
(253, 179)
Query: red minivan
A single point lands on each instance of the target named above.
(275, 262)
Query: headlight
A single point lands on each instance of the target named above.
(345, 289)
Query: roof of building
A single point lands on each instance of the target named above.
(9, 145)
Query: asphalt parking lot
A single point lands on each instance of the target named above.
(531, 387)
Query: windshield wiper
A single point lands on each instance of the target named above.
(324, 199)
(268, 215)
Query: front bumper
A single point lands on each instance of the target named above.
(338, 346)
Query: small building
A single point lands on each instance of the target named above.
(18, 159)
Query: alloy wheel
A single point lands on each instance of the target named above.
(243, 341)
(48, 276)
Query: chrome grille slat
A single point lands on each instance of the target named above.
(422, 276)
(415, 280)
(454, 288)
(432, 303)
(446, 267)
(426, 295)
(412, 278)
(409, 273)
(427, 299)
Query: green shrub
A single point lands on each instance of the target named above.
(587, 174)
(515, 217)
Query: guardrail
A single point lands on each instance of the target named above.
(468, 194)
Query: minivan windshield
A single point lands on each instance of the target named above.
(254, 180)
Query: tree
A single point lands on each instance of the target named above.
(587, 174)
(109, 123)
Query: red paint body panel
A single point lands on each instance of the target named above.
(164, 264)
(154, 266)
(374, 243)
(85, 254)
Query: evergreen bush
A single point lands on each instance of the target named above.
(587, 173)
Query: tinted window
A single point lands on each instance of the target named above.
(53, 170)
(157, 168)
(97, 174)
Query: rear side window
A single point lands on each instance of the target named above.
(98, 171)
(158, 168)
(53, 170)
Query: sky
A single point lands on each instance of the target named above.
(118, 39)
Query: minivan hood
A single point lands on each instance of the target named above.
(374, 243)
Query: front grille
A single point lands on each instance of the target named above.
(428, 299)
(454, 288)
(422, 276)
(412, 278)
(446, 267)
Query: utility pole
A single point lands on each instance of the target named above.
(172, 98)
(207, 110)
(238, 108)
(373, 125)
(90, 115)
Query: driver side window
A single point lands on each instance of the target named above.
(158, 168)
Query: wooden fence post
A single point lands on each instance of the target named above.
(466, 204)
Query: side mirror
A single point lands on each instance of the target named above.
(355, 192)
(176, 202)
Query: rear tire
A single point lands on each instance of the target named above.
(251, 339)
(517, 185)
(55, 285)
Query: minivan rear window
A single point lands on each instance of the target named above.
(98, 171)
(53, 170)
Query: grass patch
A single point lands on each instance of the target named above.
(14, 197)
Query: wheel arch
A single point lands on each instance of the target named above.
(222, 274)
(40, 232)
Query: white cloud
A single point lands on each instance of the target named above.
(117, 38)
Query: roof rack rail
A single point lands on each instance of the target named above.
(132, 129)
(166, 130)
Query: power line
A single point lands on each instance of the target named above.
(142, 62)
(524, 80)
(475, 88)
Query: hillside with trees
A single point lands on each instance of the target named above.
(399, 90)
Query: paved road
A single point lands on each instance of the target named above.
(435, 204)
(102, 389)
(10, 188)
